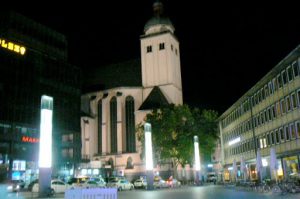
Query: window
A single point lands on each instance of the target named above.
(298, 129)
(130, 124)
(284, 78)
(295, 68)
(279, 81)
(288, 103)
(266, 90)
(129, 164)
(278, 108)
(281, 133)
(100, 127)
(272, 138)
(268, 139)
(287, 133)
(283, 107)
(149, 49)
(176, 52)
(294, 100)
(275, 86)
(292, 131)
(298, 96)
(172, 47)
(161, 46)
(270, 87)
(277, 136)
(113, 125)
(290, 73)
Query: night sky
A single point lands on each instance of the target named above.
(225, 49)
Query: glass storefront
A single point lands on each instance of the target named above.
(291, 166)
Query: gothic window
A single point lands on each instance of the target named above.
(130, 124)
(113, 125)
(100, 127)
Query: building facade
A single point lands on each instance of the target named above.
(128, 91)
(265, 117)
(34, 63)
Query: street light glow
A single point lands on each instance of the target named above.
(45, 153)
(148, 146)
(197, 155)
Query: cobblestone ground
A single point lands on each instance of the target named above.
(185, 192)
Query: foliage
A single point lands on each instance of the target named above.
(173, 129)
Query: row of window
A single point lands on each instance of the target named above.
(130, 125)
(277, 136)
(161, 47)
(287, 75)
(280, 135)
(279, 108)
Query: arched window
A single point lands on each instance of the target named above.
(100, 127)
(111, 163)
(129, 164)
(113, 125)
(130, 124)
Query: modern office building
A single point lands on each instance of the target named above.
(267, 116)
(33, 62)
(123, 94)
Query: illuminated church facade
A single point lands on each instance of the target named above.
(122, 94)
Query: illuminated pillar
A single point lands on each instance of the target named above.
(148, 154)
(197, 160)
(45, 153)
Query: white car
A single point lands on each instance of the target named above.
(92, 184)
(140, 183)
(57, 185)
(121, 184)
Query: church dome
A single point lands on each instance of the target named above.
(159, 22)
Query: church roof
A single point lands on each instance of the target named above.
(124, 74)
(155, 99)
(159, 18)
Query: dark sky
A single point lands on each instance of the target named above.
(225, 49)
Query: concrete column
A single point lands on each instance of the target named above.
(119, 124)
(104, 126)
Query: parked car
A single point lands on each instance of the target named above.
(15, 185)
(211, 177)
(30, 185)
(57, 186)
(121, 184)
(140, 183)
(172, 183)
(89, 184)
(159, 183)
(101, 182)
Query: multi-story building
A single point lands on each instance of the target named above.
(266, 116)
(34, 63)
(123, 94)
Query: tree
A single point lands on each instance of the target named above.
(173, 129)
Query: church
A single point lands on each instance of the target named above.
(119, 96)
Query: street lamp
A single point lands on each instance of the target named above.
(197, 159)
(149, 157)
(45, 151)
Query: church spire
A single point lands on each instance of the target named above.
(158, 8)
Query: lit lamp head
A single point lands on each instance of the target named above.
(148, 146)
(197, 154)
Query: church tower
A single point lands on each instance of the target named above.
(160, 57)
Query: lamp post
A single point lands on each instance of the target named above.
(197, 160)
(45, 151)
(149, 157)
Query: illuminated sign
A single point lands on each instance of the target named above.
(12, 46)
(234, 141)
(30, 139)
